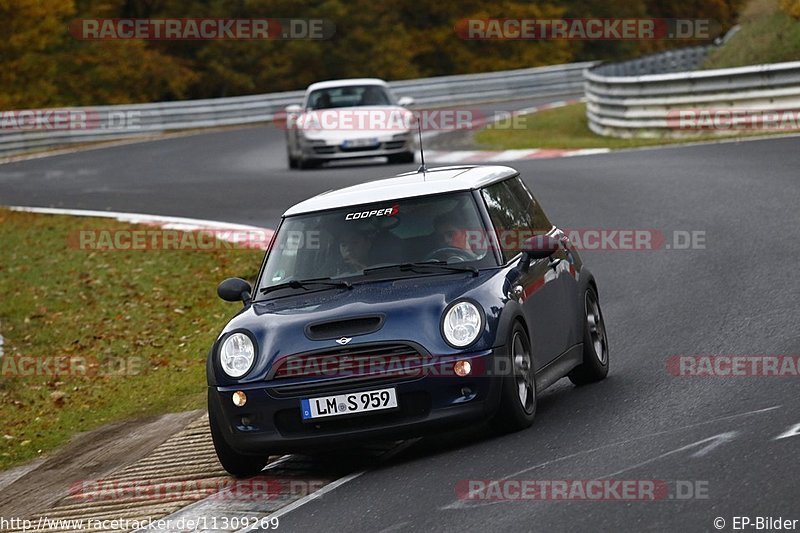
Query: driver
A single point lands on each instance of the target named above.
(449, 234)
(323, 102)
(372, 96)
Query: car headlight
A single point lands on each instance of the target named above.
(237, 354)
(462, 324)
(309, 122)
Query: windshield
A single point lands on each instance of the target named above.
(342, 243)
(349, 96)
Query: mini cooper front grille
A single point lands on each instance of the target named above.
(342, 369)
(358, 363)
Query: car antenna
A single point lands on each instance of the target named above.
(422, 168)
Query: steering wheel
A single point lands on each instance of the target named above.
(450, 254)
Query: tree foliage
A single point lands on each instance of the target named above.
(46, 66)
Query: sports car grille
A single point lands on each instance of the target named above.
(359, 148)
(393, 145)
(324, 149)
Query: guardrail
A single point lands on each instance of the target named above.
(648, 97)
(136, 120)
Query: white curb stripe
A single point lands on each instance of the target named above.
(133, 218)
(512, 155)
(251, 236)
(485, 156)
(587, 151)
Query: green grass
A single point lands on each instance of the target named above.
(157, 310)
(767, 35)
(563, 127)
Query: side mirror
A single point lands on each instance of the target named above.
(405, 101)
(538, 247)
(235, 290)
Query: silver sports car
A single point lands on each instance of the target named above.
(345, 119)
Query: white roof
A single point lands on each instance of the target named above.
(408, 185)
(345, 83)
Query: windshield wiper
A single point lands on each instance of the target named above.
(424, 264)
(303, 284)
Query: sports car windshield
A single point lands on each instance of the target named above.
(343, 243)
(349, 96)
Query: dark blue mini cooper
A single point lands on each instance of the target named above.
(402, 307)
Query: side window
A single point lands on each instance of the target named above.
(515, 214)
(539, 222)
(509, 218)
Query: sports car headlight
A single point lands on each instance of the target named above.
(237, 354)
(462, 324)
(309, 123)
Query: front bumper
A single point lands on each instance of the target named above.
(271, 422)
(331, 151)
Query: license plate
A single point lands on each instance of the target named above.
(359, 143)
(346, 404)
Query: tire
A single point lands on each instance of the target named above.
(396, 159)
(595, 365)
(235, 463)
(515, 412)
(292, 161)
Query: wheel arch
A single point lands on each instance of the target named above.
(512, 313)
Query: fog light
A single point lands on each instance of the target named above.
(462, 368)
(239, 398)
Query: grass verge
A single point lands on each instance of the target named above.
(567, 128)
(93, 337)
(768, 34)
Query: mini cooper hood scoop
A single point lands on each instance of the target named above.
(342, 329)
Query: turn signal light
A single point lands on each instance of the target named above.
(462, 368)
(239, 398)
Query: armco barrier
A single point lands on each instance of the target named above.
(155, 118)
(643, 97)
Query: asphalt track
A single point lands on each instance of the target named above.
(737, 295)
